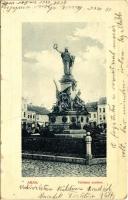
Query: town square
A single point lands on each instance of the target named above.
(68, 138)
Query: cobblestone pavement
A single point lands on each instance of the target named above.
(38, 168)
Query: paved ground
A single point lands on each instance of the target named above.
(38, 168)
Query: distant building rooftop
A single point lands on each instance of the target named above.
(102, 101)
(38, 109)
(91, 107)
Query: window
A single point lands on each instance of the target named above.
(100, 117)
(104, 117)
(28, 116)
(33, 116)
(103, 109)
(94, 123)
(87, 119)
(24, 114)
(82, 119)
(94, 115)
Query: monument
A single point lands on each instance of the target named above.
(70, 111)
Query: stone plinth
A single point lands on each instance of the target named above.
(67, 120)
(67, 81)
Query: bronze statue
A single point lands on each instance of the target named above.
(67, 58)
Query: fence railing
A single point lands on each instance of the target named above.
(57, 145)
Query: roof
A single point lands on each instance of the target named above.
(102, 101)
(38, 110)
(91, 107)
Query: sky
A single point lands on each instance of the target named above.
(41, 64)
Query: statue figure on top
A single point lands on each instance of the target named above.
(67, 58)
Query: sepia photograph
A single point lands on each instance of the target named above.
(64, 101)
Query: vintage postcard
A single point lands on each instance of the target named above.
(64, 99)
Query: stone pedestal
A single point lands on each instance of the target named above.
(67, 81)
(67, 120)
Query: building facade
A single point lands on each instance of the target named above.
(102, 110)
(24, 112)
(34, 114)
(92, 109)
(97, 111)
